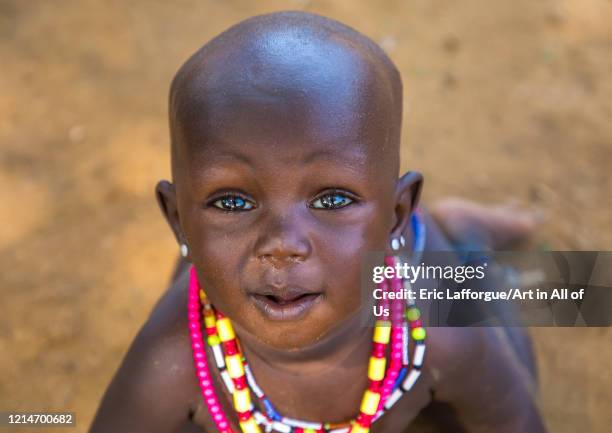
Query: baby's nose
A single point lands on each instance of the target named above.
(282, 243)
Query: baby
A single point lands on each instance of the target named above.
(285, 135)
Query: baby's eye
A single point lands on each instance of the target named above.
(233, 203)
(332, 201)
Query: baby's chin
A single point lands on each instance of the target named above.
(299, 339)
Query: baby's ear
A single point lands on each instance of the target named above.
(407, 193)
(166, 198)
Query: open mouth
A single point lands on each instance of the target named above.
(286, 306)
(287, 300)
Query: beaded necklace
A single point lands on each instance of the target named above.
(386, 385)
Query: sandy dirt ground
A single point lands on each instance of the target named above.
(504, 100)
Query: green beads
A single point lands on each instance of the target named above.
(413, 314)
(418, 334)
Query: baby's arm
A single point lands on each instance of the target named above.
(153, 389)
(489, 384)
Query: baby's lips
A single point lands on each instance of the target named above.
(284, 293)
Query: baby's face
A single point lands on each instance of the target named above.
(278, 210)
(284, 179)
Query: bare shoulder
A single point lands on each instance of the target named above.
(165, 340)
(154, 388)
(455, 351)
(486, 375)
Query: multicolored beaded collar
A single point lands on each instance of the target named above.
(386, 385)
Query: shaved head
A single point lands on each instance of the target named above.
(315, 75)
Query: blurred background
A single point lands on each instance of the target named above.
(503, 100)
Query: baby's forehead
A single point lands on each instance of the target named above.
(284, 81)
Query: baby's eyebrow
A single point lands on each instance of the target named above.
(325, 154)
(318, 154)
(228, 156)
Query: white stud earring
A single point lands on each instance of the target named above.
(395, 244)
(184, 250)
(403, 240)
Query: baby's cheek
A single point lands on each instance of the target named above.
(219, 278)
(342, 280)
(343, 260)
